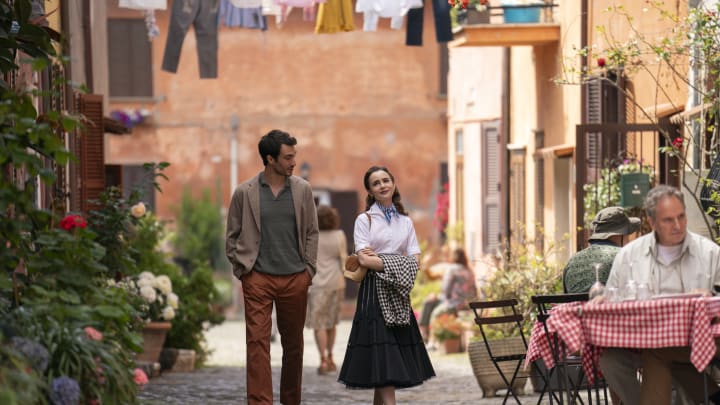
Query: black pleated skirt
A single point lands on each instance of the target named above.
(382, 356)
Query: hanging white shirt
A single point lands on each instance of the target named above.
(395, 10)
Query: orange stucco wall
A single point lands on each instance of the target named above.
(352, 99)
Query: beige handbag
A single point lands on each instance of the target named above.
(353, 270)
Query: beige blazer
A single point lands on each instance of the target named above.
(242, 239)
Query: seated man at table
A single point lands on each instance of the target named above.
(670, 259)
(611, 226)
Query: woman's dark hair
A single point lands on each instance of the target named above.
(370, 200)
(271, 143)
(328, 218)
(459, 257)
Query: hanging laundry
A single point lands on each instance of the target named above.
(143, 4)
(415, 22)
(203, 15)
(335, 16)
(244, 17)
(151, 24)
(246, 3)
(395, 10)
(308, 7)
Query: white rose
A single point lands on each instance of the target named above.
(111, 283)
(173, 300)
(138, 210)
(146, 282)
(168, 313)
(163, 284)
(146, 274)
(148, 293)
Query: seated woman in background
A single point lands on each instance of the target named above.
(458, 288)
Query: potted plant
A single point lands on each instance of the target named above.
(471, 11)
(159, 304)
(524, 267)
(521, 11)
(446, 328)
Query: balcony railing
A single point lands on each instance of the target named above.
(533, 24)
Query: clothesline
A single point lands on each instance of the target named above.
(329, 16)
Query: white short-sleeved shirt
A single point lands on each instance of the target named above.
(396, 237)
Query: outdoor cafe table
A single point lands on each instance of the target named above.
(655, 323)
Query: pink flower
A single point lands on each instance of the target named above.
(140, 377)
(93, 333)
(678, 142)
(601, 62)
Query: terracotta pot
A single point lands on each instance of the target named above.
(450, 346)
(153, 335)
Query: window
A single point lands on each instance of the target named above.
(129, 58)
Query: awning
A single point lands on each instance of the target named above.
(558, 151)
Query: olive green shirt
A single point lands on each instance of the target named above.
(579, 273)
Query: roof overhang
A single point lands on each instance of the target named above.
(506, 35)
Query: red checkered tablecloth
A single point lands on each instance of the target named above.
(630, 324)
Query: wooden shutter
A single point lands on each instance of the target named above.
(92, 156)
(492, 186)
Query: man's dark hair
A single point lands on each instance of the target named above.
(271, 143)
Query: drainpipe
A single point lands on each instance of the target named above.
(506, 138)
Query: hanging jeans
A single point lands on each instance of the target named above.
(414, 27)
(203, 15)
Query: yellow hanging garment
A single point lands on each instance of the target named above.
(335, 16)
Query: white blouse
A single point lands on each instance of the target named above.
(396, 237)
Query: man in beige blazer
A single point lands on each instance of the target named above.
(271, 241)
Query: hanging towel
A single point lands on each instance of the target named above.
(144, 4)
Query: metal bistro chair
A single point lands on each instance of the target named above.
(568, 367)
(501, 312)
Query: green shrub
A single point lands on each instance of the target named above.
(199, 236)
(196, 313)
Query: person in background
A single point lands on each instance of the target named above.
(669, 260)
(326, 294)
(611, 226)
(457, 289)
(271, 242)
(385, 350)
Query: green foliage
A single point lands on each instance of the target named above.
(29, 38)
(606, 191)
(524, 271)
(19, 383)
(197, 293)
(199, 237)
(422, 291)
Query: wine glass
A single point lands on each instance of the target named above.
(598, 288)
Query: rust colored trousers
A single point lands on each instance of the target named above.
(289, 293)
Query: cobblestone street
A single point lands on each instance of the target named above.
(223, 381)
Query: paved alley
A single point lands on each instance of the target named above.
(223, 381)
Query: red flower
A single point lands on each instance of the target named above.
(677, 142)
(601, 62)
(73, 221)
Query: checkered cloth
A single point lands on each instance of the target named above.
(632, 324)
(393, 288)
